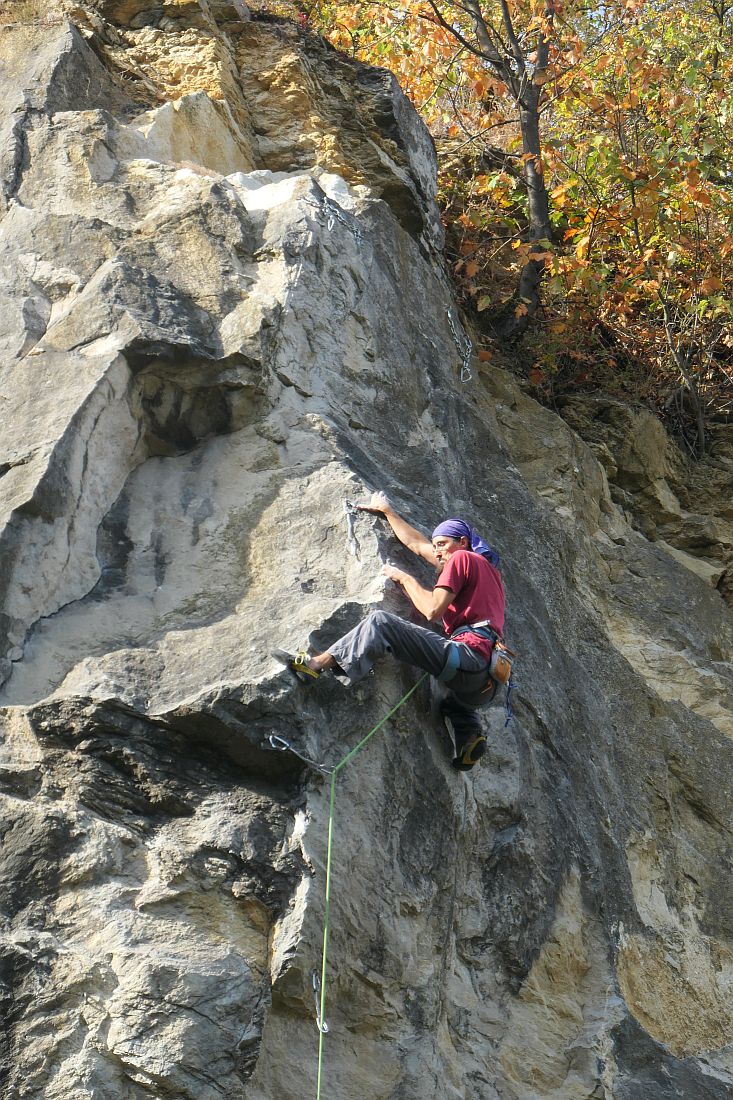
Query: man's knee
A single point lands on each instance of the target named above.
(379, 620)
(460, 712)
(383, 628)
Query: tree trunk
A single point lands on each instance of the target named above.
(684, 363)
(510, 326)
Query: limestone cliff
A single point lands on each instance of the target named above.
(224, 311)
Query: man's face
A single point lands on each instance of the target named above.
(444, 547)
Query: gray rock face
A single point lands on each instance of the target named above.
(223, 315)
(687, 508)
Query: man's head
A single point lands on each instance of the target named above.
(445, 546)
(448, 537)
(455, 534)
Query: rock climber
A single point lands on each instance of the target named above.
(469, 598)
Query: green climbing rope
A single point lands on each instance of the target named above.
(321, 1016)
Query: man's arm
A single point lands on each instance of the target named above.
(409, 536)
(429, 603)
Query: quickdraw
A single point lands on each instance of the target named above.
(281, 745)
(316, 982)
(350, 510)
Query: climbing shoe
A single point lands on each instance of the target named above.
(466, 732)
(297, 663)
(469, 753)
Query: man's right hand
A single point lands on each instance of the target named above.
(409, 536)
(379, 504)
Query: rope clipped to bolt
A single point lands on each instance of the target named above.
(319, 983)
(321, 1020)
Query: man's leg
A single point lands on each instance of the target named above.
(352, 657)
(467, 732)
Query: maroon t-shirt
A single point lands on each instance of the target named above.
(479, 595)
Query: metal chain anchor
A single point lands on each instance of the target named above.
(336, 214)
(465, 348)
(333, 213)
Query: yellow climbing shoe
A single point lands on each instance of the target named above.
(298, 665)
(470, 754)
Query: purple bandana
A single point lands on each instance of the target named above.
(458, 528)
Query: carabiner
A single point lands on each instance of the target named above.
(321, 1024)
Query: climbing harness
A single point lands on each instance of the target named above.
(451, 666)
(319, 983)
(465, 348)
(500, 663)
(350, 510)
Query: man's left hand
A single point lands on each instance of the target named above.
(394, 573)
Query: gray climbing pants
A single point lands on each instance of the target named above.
(382, 633)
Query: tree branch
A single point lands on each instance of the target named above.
(475, 50)
(512, 36)
(683, 363)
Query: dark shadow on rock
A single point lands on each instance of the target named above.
(647, 1070)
